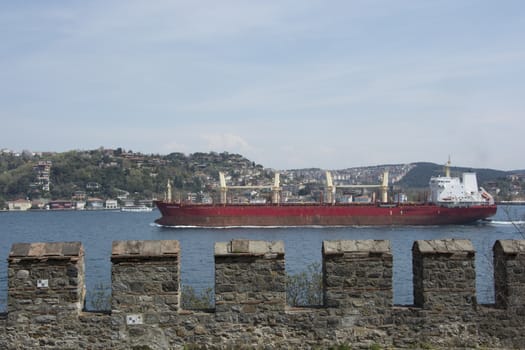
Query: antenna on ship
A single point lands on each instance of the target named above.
(168, 191)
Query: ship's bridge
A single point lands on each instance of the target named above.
(451, 190)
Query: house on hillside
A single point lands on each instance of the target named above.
(93, 186)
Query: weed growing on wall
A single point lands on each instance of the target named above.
(192, 300)
(305, 288)
(99, 299)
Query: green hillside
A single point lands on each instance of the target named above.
(108, 173)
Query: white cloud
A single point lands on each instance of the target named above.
(225, 141)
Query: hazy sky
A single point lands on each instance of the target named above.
(288, 84)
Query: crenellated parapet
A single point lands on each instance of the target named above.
(46, 294)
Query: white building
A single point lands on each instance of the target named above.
(111, 204)
(19, 205)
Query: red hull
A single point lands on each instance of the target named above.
(228, 215)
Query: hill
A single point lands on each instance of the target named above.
(112, 173)
(419, 175)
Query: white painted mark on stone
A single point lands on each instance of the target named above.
(134, 319)
(42, 284)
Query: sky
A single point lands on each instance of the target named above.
(286, 83)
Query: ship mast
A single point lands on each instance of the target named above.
(168, 191)
(447, 168)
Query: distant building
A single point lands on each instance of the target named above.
(111, 204)
(79, 195)
(146, 202)
(19, 205)
(42, 174)
(400, 197)
(122, 195)
(191, 197)
(95, 203)
(128, 202)
(39, 203)
(345, 199)
(362, 199)
(60, 204)
(93, 186)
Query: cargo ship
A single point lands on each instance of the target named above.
(451, 201)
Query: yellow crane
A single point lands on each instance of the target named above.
(276, 189)
(331, 188)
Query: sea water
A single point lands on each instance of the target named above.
(97, 229)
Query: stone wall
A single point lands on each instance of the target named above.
(46, 293)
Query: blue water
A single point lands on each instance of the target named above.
(97, 229)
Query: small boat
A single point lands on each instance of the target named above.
(136, 208)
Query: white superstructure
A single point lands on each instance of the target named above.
(451, 191)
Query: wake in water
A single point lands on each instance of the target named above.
(497, 222)
(247, 227)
